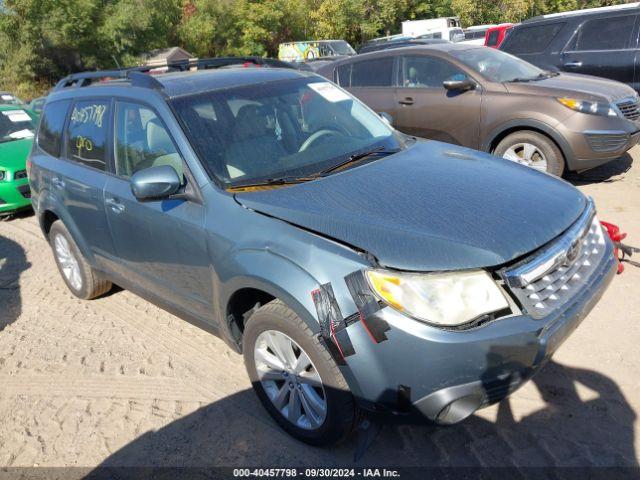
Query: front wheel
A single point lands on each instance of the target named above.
(295, 377)
(533, 150)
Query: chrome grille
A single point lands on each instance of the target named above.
(551, 278)
(20, 174)
(630, 108)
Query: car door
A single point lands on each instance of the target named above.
(160, 244)
(80, 178)
(427, 109)
(604, 47)
(372, 81)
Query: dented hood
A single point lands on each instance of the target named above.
(433, 206)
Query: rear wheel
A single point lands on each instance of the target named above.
(533, 150)
(295, 377)
(83, 281)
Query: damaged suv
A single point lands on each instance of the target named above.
(355, 267)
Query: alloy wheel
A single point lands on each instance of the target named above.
(68, 262)
(290, 380)
(527, 154)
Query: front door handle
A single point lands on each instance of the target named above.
(115, 206)
(58, 183)
(406, 101)
(573, 64)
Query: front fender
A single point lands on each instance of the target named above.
(276, 275)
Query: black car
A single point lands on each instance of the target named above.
(597, 41)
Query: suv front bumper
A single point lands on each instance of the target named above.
(604, 139)
(445, 376)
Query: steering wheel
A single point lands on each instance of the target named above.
(315, 136)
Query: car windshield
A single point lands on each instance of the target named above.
(9, 99)
(286, 129)
(342, 48)
(15, 125)
(498, 66)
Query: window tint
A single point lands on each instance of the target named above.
(492, 41)
(142, 141)
(371, 73)
(87, 133)
(426, 72)
(533, 39)
(612, 33)
(51, 127)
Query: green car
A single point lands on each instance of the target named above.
(17, 128)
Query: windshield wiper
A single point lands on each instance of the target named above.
(287, 180)
(356, 157)
(540, 76)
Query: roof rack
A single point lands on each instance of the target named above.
(584, 11)
(142, 76)
(136, 76)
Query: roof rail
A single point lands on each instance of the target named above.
(136, 76)
(584, 11)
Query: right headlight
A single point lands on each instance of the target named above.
(445, 299)
(2, 175)
(584, 106)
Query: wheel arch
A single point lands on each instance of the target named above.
(492, 140)
(48, 213)
(271, 277)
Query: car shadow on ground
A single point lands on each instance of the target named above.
(584, 421)
(609, 172)
(13, 262)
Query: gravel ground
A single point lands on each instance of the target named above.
(117, 381)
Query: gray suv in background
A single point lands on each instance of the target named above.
(355, 267)
(485, 99)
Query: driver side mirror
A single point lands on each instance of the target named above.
(386, 118)
(459, 84)
(155, 183)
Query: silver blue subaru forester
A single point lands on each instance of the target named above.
(354, 267)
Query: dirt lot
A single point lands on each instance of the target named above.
(116, 381)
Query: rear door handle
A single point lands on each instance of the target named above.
(57, 182)
(573, 64)
(406, 101)
(115, 206)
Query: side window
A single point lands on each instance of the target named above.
(52, 126)
(87, 133)
(492, 40)
(426, 72)
(612, 33)
(534, 39)
(141, 141)
(371, 73)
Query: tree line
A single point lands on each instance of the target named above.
(44, 40)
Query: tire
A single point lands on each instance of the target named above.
(555, 163)
(85, 282)
(275, 318)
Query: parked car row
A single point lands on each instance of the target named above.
(488, 100)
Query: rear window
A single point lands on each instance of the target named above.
(370, 73)
(534, 39)
(611, 33)
(87, 133)
(51, 127)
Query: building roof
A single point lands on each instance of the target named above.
(164, 55)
